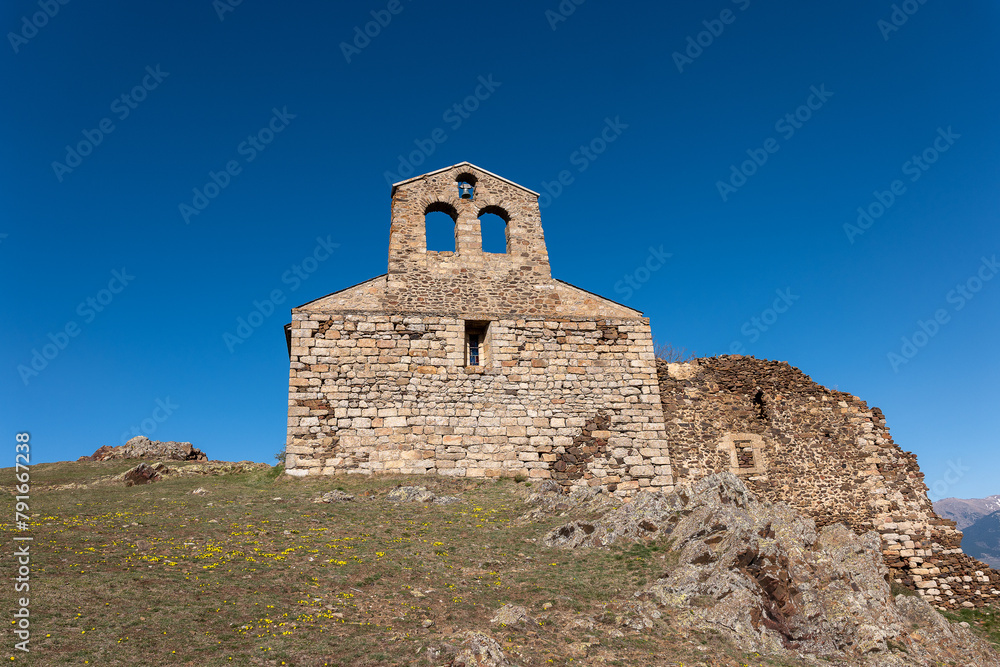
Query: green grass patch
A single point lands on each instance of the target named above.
(985, 621)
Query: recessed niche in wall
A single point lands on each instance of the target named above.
(746, 453)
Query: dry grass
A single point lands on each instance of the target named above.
(255, 573)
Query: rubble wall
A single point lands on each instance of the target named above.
(822, 451)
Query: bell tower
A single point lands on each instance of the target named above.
(418, 276)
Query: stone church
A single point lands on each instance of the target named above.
(481, 364)
(474, 363)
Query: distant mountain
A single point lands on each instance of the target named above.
(982, 539)
(965, 512)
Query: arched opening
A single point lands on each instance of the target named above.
(466, 186)
(439, 227)
(493, 228)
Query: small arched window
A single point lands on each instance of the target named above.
(439, 227)
(493, 222)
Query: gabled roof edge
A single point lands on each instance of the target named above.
(460, 164)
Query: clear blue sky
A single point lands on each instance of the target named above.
(833, 106)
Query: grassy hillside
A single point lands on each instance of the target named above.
(257, 573)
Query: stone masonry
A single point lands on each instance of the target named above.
(824, 452)
(473, 363)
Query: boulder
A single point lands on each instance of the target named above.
(335, 496)
(479, 650)
(141, 474)
(511, 615)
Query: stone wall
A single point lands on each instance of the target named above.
(568, 399)
(468, 279)
(825, 452)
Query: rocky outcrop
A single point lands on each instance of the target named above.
(548, 502)
(145, 473)
(335, 496)
(479, 650)
(418, 494)
(141, 447)
(766, 576)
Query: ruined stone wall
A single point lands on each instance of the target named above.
(825, 452)
(571, 399)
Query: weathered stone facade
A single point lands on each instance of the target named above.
(473, 363)
(825, 452)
